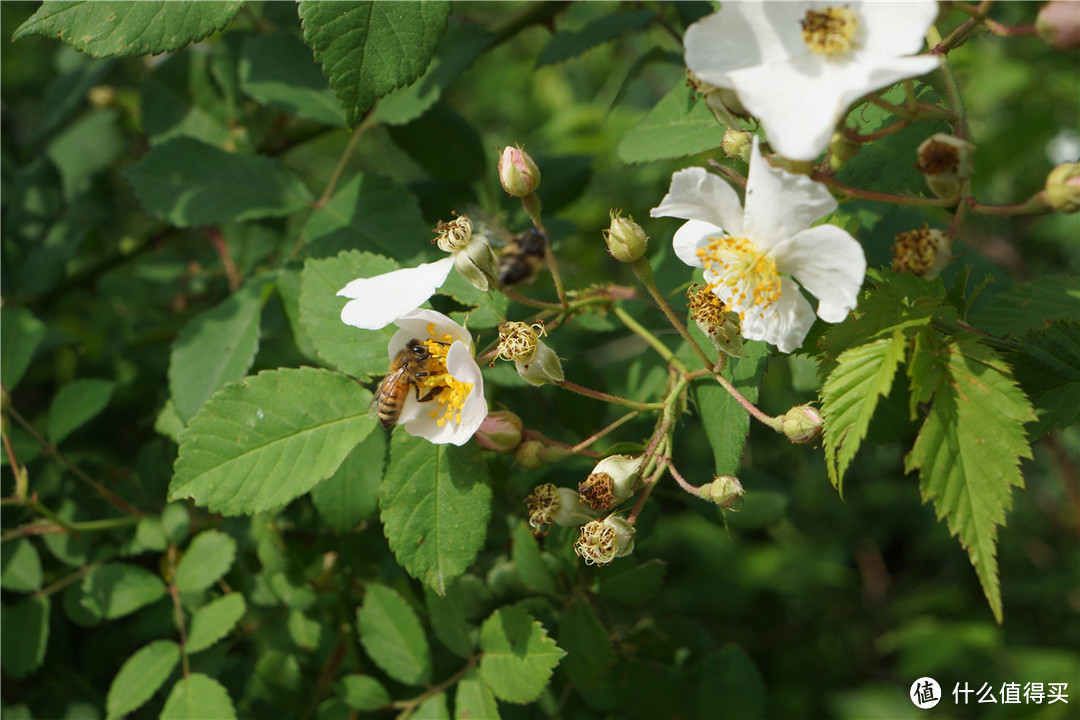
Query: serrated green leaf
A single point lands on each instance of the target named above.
(432, 708)
(849, 396)
(392, 635)
(259, 443)
(216, 347)
(474, 700)
(360, 353)
(564, 45)
(460, 46)
(25, 636)
(20, 334)
(277, 70)
(1048, 369)
(75, 404)
(969, 448)
(730, 686)
(190, 184)
(168, 422)
(726, 422)
(351, 495)
(630, 584)
(128, 28)
(180, 99)
(175, 521)
(678, 126)
(369, 212)
(589, 653)
(435, 505)
(21, 567)
(447, 614)
(198, 697)
(213, 621)
(140, 677)
(206, 560)
(1031, 306)
(303, 630)
(489, 308)
(118, 589)
(362, 692)
(518, 655)
(367, 48)
(529, 562)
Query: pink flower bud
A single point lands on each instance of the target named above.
(500, 431)
(1058, 24)
(518, 172)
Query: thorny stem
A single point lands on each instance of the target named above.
(773, 422)
(858, 193)
(49, 449)
(727, 172)
(959, 125)
(695, 491)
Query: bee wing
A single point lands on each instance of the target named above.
(385, 386)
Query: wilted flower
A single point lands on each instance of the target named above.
(713, 318)
(753, 257)
(602, 541)
(945, 161)
(798, 66)
(551, 505)
(536, 363)
(922, 252)
(611, 481)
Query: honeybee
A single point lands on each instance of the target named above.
(409, 366)
(522, 256)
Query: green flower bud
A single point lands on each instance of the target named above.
(737, 144)
(625, 239)
(802, 424)
(1063, 188)
(725, 490)
(477, 263)
(527, 454)
(841, 151)
(518, 172)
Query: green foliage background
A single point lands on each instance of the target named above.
(801, 605)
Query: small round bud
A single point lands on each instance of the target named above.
(1058, 24)
(611, 482)
(841, 151)
(737, 144)
(500, 431)
(625, 239)
(922, 252)
(602, 541)
(527, 454)
(1063, 188)
(518, 172)
(725, 490)
(102, 96)
(718, 98)
(945, 161)
(550, 505)
(802, 424)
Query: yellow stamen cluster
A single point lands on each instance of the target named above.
(920, 252)
(707, 310)
(749, 276)
(518, 340)
(454, 392)
(542, 504)
(829, 31)
(454, 236)
(937, 157)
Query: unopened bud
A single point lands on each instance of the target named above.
(1058, 24)
(802, 424)
(945, 161)
(527, 454)
(725, 490)
(921, 252)
(1063, 188)
(602, 541)
(611, 482)
(718, 98)
(101, 96)
(841, 151)
(500, 431)
(625, 239)
(477, 263)
(550, 505)
(737, 144)
(518, 172)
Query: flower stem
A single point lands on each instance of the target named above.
(773, 422)
(644, 274)
(648, 337)
(861, 194)
(601, 433)
(613, 399)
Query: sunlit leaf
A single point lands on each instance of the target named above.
(118, 589)
(213, 621)
(518, 655)
(198, 697)
(141, 675)
(206, 560)
(679, 125)
(391, 634)
(363, 692)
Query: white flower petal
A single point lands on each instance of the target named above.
(780, 204)
(896, 28)
(378, 301)
(693, 235)
(785, 324)
(752, 42)
(415, 324)
(696, 194)
(829, 263)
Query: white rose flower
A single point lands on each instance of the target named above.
(797, 66)
(756, 258)
(380, 300)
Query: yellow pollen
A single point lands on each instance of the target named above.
(917, 251)
(454, 392)
(745, 275)
(829, 31)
